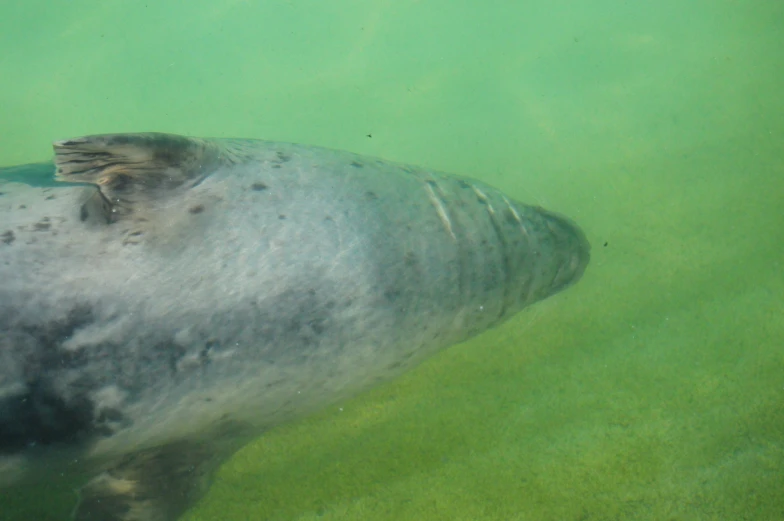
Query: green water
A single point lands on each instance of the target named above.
(652, 390)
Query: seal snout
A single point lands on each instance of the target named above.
(572, 251)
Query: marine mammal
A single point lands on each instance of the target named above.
(176, 296)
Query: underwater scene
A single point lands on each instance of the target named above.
(294, 314)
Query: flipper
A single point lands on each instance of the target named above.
(132, 170)
(153, 485)
(135, 173)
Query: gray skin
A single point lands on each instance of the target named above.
(169, 298)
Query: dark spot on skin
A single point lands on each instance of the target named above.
(294, 325)
(205, 357)
(8, 237)
(22, 206)
(110, 414)
(83, 213)
(258, 187)
(40, 416)
(276, 165)
(42, 225)
(317, 326)
(357, 164)
(44, 412)
(283, 157)
(281, 217)
(204, 354)
(135, 233)
(175, 354)
(371, 195)
(605, 244)
(431, 183)
(2, 193)
(49, 197)
(328, 218)
(196, 209)
(463, 184)
(410, 258)
(392, 294)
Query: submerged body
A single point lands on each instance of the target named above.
(187, 294)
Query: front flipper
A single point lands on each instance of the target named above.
(152, 485)
(134, 173)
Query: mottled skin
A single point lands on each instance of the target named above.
(210, 289)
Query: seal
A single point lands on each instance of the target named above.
(168, 298)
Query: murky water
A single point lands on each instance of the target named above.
(651, 390)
